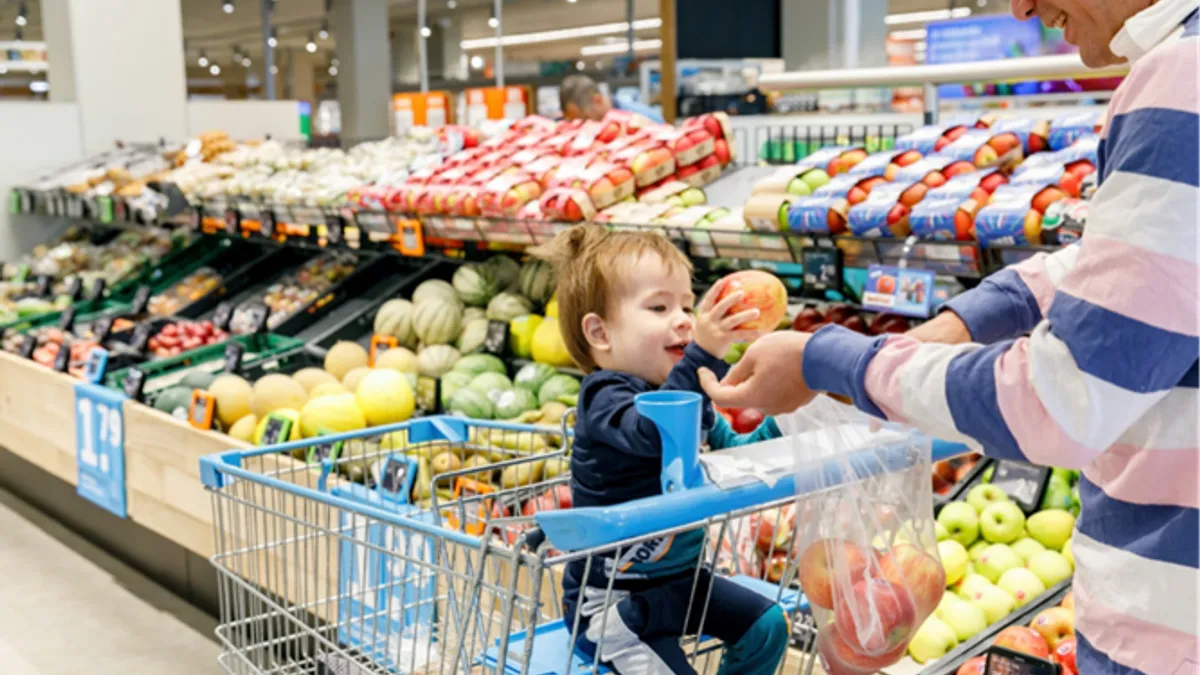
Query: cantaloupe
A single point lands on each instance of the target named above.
(508, 306)
(475, 284)
(537, 281)
(337, 413)
(437, 321)
(506, 270)
(354, 377)
(434, 288)
(344, 357)
(232, 395)
(385, 397)
(276, 391)
(398, 359)
(436, 360)
(311, 377)
(327, 389)
(243, 429)
(395, 318)
(474, 334)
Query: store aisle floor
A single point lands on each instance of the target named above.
(67, 608)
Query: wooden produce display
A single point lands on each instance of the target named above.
(37, 420)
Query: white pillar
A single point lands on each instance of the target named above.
(364, 73)
(126, 75)
(406, 65)
(302, 67)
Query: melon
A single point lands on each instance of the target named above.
(506, 270)
(309, 378)
(557, 386)
(385, 397)
(434, 288)
(474, 334)
(470, 403)
(476, 364)
(394, 318)
(548, 346)
(452, 382)
(198, 379)
(398, 359)
(337, 413)
(174, 399)
(436, 360)
(344, 357)
(513, 402)
(276, 391)
(475, 284)
(520, 335)
(437, 321)
(486, 383)
(532, 376)
(354, 377)
(244, 429)
(327, 389)
(552, 307)
(474, 313)
(537, 281)
(232, 396)
(508, 306)
(293, 433)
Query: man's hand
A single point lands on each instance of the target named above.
(716, 329)
(769, 376)
(945, 328)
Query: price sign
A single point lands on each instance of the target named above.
(140, 300)
(411, 238)
(96, 365)
(102, 328)
(1025, 483)
(234, 351)
(135, 383)
(266, 223)
(385, 341)
(319, 452)
(74, 288)
(333, 229)
(1004, 661)
(98, 287)
(397, 476)
(496, 341)
(44, 283)
(233, 222)
(62, 360)
(100, 446)
(895, 290)
(202, 409)
(141, 336)
(822, 269)
(66, 320)
(28, 347)
(196, 218)
(223, 315)
(275, 430)
(476, 512)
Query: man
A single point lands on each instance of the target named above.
(582, 99)
(1106, 380)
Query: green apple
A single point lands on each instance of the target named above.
(961, 521)
(1068, 552)
(1002, 523)
(982, 496)
(976, 550)
(1051, 567)
(1022, 584)
(997, 560)
(1026, 547)
(1058, 495)
(1075, 506)
(965, 619)
(947, 600)
(995, 603)
(932, 641)
(971, 585)
(799, 187)
(954, 560)
(815, 178)
(673, 200)
(693, 197)
(1051, 528)
(940, 532)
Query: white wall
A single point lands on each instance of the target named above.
(37, 138)
(245, 120)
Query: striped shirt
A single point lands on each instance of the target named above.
(1105, 381)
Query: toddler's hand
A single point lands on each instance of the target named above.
(715, 330)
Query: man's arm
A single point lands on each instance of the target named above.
(1120, 333)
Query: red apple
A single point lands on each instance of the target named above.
(1004, 143)
(1042, 200)
(958, 168)
(1068, 600)
(721, 151)
(1037, 143)
(949, 137)
(875, 617)
(1054, 625)
(818, 564)
(897, 220)
(708, 161)
(992, 181)
(914, 194)
(922, 574)
(934, 179)
(889, 323)
(856, 324)
(808, 319)
(685, 171)
(1033, 227)
(761, 290)
(985, 156)
(903, 160)
(835, 220)
(1024, 640)
(1081, 167)
(839, 658)
(974, 666)
(772, 529)
(747, 420)
(1064, 655)
(1072, 184)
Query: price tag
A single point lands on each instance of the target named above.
(411, 238)
(102, 328)
(74, 288)
(223, 315)
(266, 223)
(275, 431)
(28, 346)
(98, 288)
(62, 360)
(466, 489)
(196, 218)
(233, 222)
(135, 383)
(374, 222)
(397, 476)
(258, 313)
(141, 336)
(100, 446)
(822, 269)
(387, 341)
(895, 290)
(333, 228)
(140, 300)
(319, 452)
(104, 208)
(202, 409)
(66, 320)
(234, 351)
(96, 365)
(44, 283)
(1004, 661)
(1024, 483)
(427, 394)
(496, 341)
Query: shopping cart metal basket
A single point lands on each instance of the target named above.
(322, 569)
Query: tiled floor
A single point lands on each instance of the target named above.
(66, 608)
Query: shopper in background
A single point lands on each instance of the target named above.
(582, 100)
(1107, 379)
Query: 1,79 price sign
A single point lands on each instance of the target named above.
(100, 446)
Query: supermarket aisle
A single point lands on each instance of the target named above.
(68, 608)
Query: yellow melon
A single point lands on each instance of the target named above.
(352, 378)
(232, 395)
(385, 397)
(276, 391)
(310, 378)
(327, 389)
(398, 359)
(336, 413)
(548, 346)
(243, 429)
(344, 357)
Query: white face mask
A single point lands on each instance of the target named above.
(1144, 30)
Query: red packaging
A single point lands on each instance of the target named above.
(687, 145)
(701, 173)
(567, 204)
(649, 161)
(504, 195)
(535, 124)
(628, 122)
(716, 123)
(605, 184)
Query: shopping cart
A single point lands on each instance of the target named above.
(325, 570)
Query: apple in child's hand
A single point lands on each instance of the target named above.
(1024, 640)
(1064, 655)
(747, 420)
(762, 291)
(839, 658)
(1054, 625)
(909, 567)
(819, 563)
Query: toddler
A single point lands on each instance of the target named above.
(625, 311)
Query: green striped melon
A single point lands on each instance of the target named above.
(474, 313)
(475, 284)
(437, 321)
(537, 281)
(434, 288)
(452, 382)
(395, 318)
(474, 333)
(513, 402)
(437, 360)
(507, 271)
(470, 403)
(508, 306)
(476, 364)
(486, 383)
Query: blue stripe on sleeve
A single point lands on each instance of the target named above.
(1001, 307)
(1190, 24)
(1113, 347)
(1154, 142)
(1095, 662)
(1152, 531)
(836, 360)
(971, 396)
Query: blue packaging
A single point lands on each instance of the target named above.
(811, 214)
(1002, 222)
(869, 219)
(1047, 174)
(1067, 129)
(821, 158)
(875, 164)
(916, 172)
(923, 139)
(1024, 128)
(1086, 147)
(933, 218)
(838, 186)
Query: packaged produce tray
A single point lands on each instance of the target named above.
(199, 285)
(49, 335)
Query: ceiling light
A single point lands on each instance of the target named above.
(596, 30)
(22, 15)
(274, 70)
(39, 86)
(925, 17)
(492, 21)
(272, 41)
(203, 61)
(477, 62)
(227, 7)
(451, 4)
(914, 34)
(324, 32)
(579, 65)
(620, 47)
(333, 70)
(246, 62)
(214, 69)
(311, 45)
(426, 31)
(572, 1)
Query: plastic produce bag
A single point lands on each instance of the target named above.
(868, 559)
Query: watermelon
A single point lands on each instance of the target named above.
(434, 288)
(437, 321)
(475, 284)
(537, 281)
(476, 364)
(533, 376)
(507, 271)
(486, 383)
(508, 306)
(452, 382)
(198, 379)
(556, 386)
(513, 402)
(470, 403)
(474, 332)
(437, 360)
(174, 398)
(395, 318)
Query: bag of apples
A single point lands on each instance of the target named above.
(867, 551)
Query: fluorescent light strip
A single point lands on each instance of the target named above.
(914, 34)
(562, 34)
(620, 47)
(925, 17)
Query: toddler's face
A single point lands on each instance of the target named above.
(650, 322)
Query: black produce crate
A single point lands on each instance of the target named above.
(285, 364)
(250, 281)
(238, 263)
(367, 273)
